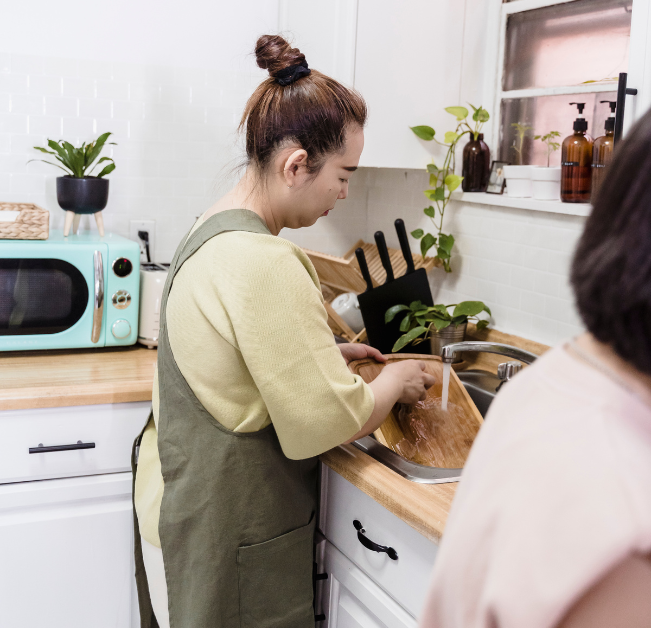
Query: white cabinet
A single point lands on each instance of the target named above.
(353, 600)
(404, 57)
(67, 553)
(363, 585)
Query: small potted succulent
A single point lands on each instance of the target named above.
(546, 182)
(518, 176)
(436, 323)
(79, 192)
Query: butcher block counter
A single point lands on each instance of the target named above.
(45, 379)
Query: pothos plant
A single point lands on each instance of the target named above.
(443, 181)
(421, 321)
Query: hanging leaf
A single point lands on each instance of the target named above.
(405, 324)
(446, 242)
(480, 115)
(109, 168)
(482, 324)
(453, 181)
(450, 137)
(410, 336)
(461, 113)
(468, 308)
(390, 314)
(433, 179)
(427, 243)
(417, 233)
(440, 323)
(442, 254)
(430, 194)
(429, 211)
(426, 133)
(415, 306)
(432, 169)
(439, 194)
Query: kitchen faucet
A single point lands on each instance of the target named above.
(450, 351)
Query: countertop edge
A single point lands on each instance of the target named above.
(423, 507)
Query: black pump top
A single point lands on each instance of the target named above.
(610, 122)
(580, 124)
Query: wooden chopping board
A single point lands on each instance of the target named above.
(424, 433)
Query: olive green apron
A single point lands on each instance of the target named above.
(237, 516)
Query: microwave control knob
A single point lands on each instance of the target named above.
(121, 299)
(121, 329)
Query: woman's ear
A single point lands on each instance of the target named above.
(294, 166)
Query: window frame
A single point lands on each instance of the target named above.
(639, 71)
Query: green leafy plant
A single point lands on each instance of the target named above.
(520, 133)
(549, 141)
(421, 321)
(443, 181)
(78, 162)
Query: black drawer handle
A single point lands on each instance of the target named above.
(374, 547)
(43, 450)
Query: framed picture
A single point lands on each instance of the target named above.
(497, 180)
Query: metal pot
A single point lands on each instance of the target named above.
(446, 337)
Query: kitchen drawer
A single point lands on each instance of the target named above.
(112, 427)
(406, 579)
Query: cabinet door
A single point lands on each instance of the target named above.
(408, 68)
(67, 553)
(353, 600)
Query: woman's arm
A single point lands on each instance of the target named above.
(404, 382)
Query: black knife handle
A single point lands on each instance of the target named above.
(384, 254)
(404, 245)
(363, 266)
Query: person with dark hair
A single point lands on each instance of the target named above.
(551, 524)
(250, 386)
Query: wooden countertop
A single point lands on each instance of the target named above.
(44, 379)
(48, 379)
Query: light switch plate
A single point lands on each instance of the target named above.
(150, 227)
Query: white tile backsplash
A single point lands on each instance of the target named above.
(177, 151)
(174, 128)
(515, 260)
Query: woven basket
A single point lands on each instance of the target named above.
(32, 223)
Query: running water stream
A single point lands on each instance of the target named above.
(446, 385)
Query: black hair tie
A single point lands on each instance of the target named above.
(292, 73)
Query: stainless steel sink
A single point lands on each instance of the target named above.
(482, 388)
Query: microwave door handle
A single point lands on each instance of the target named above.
(98, 311)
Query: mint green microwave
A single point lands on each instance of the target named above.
(69, 292)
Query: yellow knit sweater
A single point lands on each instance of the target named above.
(249, 332)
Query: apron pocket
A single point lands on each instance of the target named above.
(275, 581)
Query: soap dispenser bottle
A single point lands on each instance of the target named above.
(576, 162)
(602, 150)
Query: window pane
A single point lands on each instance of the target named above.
(544, 114)
(567, 44)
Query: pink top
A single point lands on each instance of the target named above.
(556, 492)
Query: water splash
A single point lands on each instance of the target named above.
(446, 385)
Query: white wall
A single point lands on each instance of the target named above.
(168, 79)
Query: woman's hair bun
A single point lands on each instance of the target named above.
(273, 53)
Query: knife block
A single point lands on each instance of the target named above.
(342, 274)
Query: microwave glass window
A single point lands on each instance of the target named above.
(40, 296)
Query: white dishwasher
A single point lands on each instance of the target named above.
(66, 524)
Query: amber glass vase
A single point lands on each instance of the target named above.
(476, 165)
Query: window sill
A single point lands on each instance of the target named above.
(502, 200)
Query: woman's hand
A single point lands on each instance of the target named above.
(357, 351)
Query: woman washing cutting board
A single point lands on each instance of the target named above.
(250, 385)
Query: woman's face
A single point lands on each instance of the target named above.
(312, 197)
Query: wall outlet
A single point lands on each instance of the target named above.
(150, 227)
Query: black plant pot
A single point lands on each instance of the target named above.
(86, 195)
(476, 165)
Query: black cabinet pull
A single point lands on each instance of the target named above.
(374, 547)
(43, 450)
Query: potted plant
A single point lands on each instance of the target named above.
(443, 181)
(518, 176)
(546, 182)
(436, 323)
(79, 192)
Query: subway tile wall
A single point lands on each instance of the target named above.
(515, 260)
(177, 151)
(175, 128)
